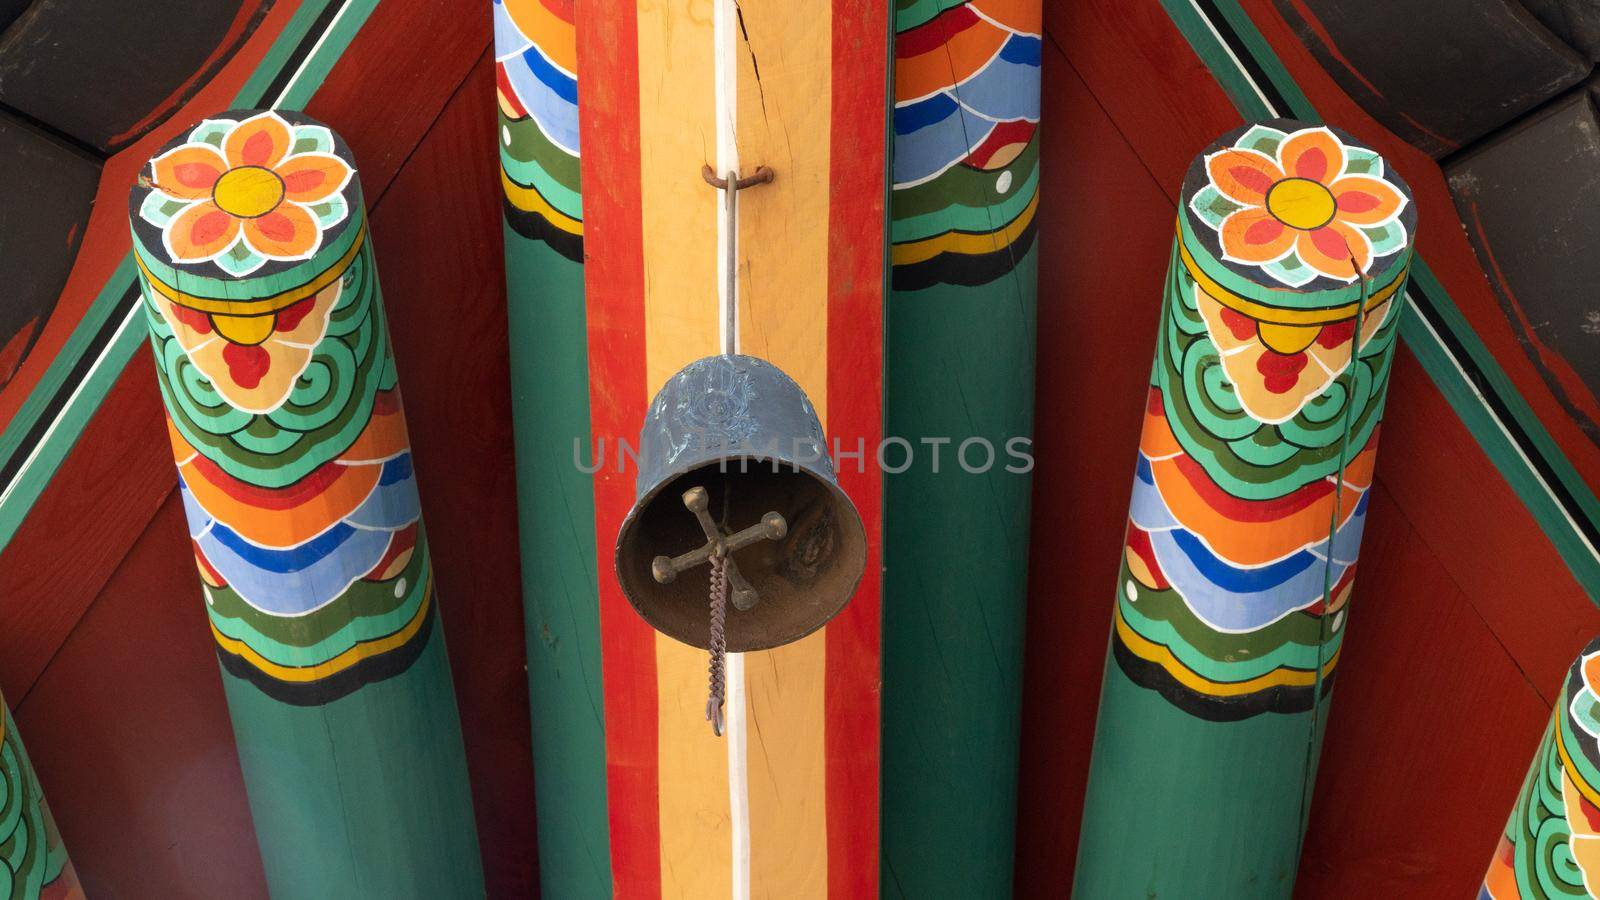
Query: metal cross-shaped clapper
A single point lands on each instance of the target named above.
(772, 527)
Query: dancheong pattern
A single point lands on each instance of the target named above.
(1261, 423)
(283, 408)
(966, 149)
(1551, 845)
(33, 861)
(535, 53)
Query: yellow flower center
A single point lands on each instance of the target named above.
(1298, 203)
(248, 192)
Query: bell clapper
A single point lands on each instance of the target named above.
(772, 527)
(726, 582)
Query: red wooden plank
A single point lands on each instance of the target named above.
(1153, 87)
(1431, 732)
(608, 42)
(854, 646)
(1105, 232)
(129, 732)
(388, 88)
(1481, 532)
(101, 500)
(444, 288)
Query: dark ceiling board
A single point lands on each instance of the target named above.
(1575, 21)
(1530, 199)
(46, 192)
(1438, 73)
(97, 70)
(10, 10)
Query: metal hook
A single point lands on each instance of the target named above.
(763, 175)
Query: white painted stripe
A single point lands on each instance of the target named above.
(738, 782)
(321, 39)
(72, 401)
(1236, 63)
(999, 24)
(725, 30)
(725, 37)
(1495, 418)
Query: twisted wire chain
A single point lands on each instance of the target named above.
(719, 639)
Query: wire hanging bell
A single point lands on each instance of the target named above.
(732, 455)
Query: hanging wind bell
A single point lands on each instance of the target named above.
(736, 441)
(716, 413)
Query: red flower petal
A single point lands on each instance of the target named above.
(261, 140)
(200, 232)
(188, 172)
(1333, 335)
(1312, 153)
(1280, 372)
(1242, 326)
(1244, 176)
(312, 177)
(1364, 200)
(289, 317)
(246, 365)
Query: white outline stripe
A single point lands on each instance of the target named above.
(66, 408)
(738, 777)
(1236, 63)
(321, 39)
(726, 71)
(725, 46)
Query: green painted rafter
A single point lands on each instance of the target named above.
(1435, 331)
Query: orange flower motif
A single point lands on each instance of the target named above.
(1301, 204)
(246, 195)
(238, 194)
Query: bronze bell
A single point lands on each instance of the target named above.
(732, 456)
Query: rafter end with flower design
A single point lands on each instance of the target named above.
(1301, 205)
(241, 193)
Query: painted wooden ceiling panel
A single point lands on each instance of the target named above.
(1530, 200)
(104, 73)
(1438, 73)
(10, 10)
(1575, 21)
(45, 198)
